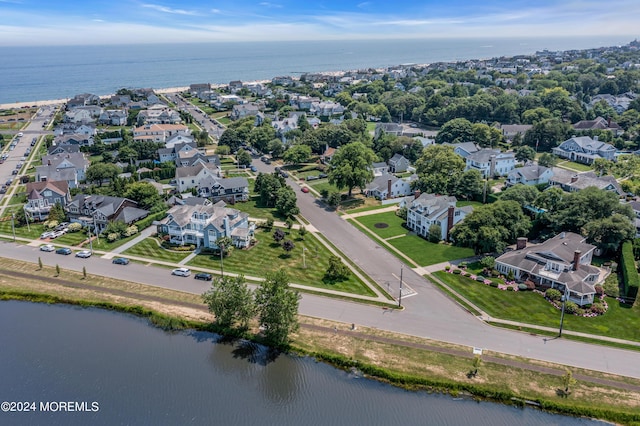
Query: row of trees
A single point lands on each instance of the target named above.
(274, 303)
(274, 192)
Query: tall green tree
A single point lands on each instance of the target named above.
(101, 172)
(524, 153)
(145, 194)
(548, 160)
(547, 134)
(454, 131)
(350, 166)
(277, 306)
(297, 154)
(243, 157)
(522, 194)
(439, 170)
(286, 202)
(231, 301)
(609, 232)
(470, 185)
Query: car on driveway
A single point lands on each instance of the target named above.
(64, 250)
(120, 261)
(47, 247)
(203, 276)
(253, 168)
(45, 235)
(84, 254)
(181, 272)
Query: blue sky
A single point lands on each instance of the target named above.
(44, 22)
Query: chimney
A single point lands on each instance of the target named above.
(388, 189)
(609, 122)
(521, 243)
(450, 220)
(595, 138)
(416, 194)
(574, 178)
(576, 259)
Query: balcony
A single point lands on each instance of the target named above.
(553, 275)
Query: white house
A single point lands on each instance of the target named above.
(491, 162)
(190, 177)
(562, 262)
(389, 186)
(430, 209)
(529, 175)
(583, 149)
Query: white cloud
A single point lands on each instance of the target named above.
(165, 9)
(270, 5)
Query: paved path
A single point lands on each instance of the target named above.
(145, 233)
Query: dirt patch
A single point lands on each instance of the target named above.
(381, 225)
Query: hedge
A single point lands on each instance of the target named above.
(630, 276)
(147, 221)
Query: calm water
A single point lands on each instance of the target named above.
(141, 375)
(40, 73)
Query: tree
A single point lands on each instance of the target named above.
(260, 136)
(278, 235)
(488, 262)
(286, 202)
(39, 263)
(549, 199)
(231, 301)
(302, 231)
(609, 232)
(225, 245)
(337, 271)
(297, 154)
(243, 157)
(288, 245)
(57, 213)
(439, 170)
(454, 131)
(568, 381)
(143, 193)
(435, 232)
(101, 172)
(470, 185)
(522, 194)
(223, 150)
(57, 270)
(267, 185)
(547, 134)
(334, 198)
(84, 272)
(231, 138)
(547, 160)
(351, 166)
(277, 307)
(524, 153)
(491, 227)
(275, 147)
(127, 154)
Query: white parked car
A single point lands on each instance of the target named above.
(56, 234)
(46, 234)
(47, 247)
(181, 272)
(84, 254)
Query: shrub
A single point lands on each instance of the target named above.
(50, 224)
(598, 309)
(630, 277)
(480, 278)
(446, 268)
(131, 230)
(74, 227)
(510, 289)
(494, 284)
(611, 286)
(463, 265)
(530, 285)
(597, 301)
(523, 287)
(457, 271)
(571, 307)
(553, 294)
(113, 237)
(599, 290)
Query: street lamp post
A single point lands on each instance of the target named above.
(304, 263)
(13, 228)
(221, 247)
(400, 296)
(564, 301)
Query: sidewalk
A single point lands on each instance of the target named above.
(145, 233)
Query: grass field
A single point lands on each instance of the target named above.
(621, 321)
(570, 165)
(256, 210)
(393, 222)
(425, 253)
(321, 184)
(151, 249)
(267, 255)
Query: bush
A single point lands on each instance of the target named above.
(630, 277)
(50, 224)
(599, 290)
(571, 307)
(480, 278)
(530, 285)
(493, 284)
(598, 309)
(611, 286)
(74, 227)
(553, 294)
(131, 230)
(446, 268)
(523, 287)
(113, 237)
(510, 289)
(148, 221)
(457, 271)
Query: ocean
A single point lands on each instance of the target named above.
(59, 72)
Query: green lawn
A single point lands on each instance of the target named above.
(256, 210)
(149, 248)
(269, 256)
(321, 184)
(368, 208)
(468, 203)
(620, 321)
(425, 253)
(393, 222)
(570, 165)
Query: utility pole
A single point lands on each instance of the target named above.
(564, 300)
(13, 228)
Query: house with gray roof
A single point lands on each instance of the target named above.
(230, 190)
(585, 150)
(398, 164)
(62, 149)
(113, 117)
(571, 181)
(69, 167)
(562, 262)
(491, 162)
(379, 168)
(170, 154)
(97, 211)
(599, 123)
(191, 177)
(244, 110)
(529, 175)
(509, 131)
(42, 196)
(430, 209)
(464, 149)
(388, 186)
(202, 225)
